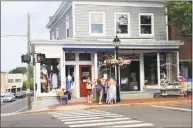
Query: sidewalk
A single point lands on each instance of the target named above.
(123, 102)
(85, 105)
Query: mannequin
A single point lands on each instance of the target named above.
(68, 86)
(44, 78)
(53, 79)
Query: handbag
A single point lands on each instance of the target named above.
(88, 86)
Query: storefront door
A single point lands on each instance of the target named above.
(85, 70)
(130, 80)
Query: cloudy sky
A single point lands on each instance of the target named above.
(14, 22)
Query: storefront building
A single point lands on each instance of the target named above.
(81, 36)
(82, 58)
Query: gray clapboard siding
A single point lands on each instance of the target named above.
(82, 20)
(62, 25)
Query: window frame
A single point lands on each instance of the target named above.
(67, 25)
(104, 24)
(57, 33)
(128, 24)
(53, 36)
(152, 23)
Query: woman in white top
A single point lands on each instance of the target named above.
(111, 90)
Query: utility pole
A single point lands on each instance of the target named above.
(28, 64)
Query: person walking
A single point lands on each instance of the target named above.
(89, 89)
(111, 90)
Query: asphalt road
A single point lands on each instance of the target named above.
(20, 105)
(163, 115)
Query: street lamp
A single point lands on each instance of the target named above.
(116, 43)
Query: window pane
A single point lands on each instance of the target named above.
(96, 18)
(84, 56)
(67, 34)
(145, 19)
(146, 29)
(97, 28)
(121, 23)
(69, 56)
(122, 29)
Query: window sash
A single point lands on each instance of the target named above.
(146, 25)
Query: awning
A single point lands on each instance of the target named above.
(90, 49)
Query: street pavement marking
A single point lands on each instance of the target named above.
(133, 125)
(183, 109)
(94, 121)
(96, 118)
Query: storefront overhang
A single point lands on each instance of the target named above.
(90, 49)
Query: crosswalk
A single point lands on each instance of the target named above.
(97, 118)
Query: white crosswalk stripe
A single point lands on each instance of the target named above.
(96, 118)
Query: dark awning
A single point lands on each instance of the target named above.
(90, 49)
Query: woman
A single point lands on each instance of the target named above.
(111, 90)
(100, 84)
(89, 89)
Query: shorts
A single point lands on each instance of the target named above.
(89, 91)
(100, 88)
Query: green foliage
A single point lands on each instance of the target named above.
(22, 70)
(180, 14)
(25, 84)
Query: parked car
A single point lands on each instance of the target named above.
(9, 98)
(20, 94)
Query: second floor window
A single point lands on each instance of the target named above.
(57, 33)
(146, 22)
(10, 80)
(122, 23)
(53, 37)
(67, 27)
(96, 23)
(17, 80)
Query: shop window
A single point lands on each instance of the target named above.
(50, 75)
(84, 56)
(150, 68)
(69, 56)
(186, 70)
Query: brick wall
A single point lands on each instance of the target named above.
(185, 51)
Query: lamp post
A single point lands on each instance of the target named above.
(116, 43)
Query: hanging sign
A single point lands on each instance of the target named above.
(120, 61)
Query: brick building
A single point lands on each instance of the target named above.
(185, 53)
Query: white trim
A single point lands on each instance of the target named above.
(104, 25)
(128, 24)
(178, 64)
(59, 17)
(167, 31)
(57, 33)
(67, 24)
(130, 4)
(152, 21)
(185, 60)
(73, 20)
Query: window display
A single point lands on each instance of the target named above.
(50, 75)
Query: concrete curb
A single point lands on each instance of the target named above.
(84, 107)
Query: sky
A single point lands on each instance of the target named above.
(14, 22)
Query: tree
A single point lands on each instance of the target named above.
(25, 83)
(22, 70)
(180, 14)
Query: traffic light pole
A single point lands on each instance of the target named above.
(28, 64)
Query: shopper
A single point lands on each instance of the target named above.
(111, 90)
(100, 84)
(89, 89)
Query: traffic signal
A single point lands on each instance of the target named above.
(40, 58)
(26, 58)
